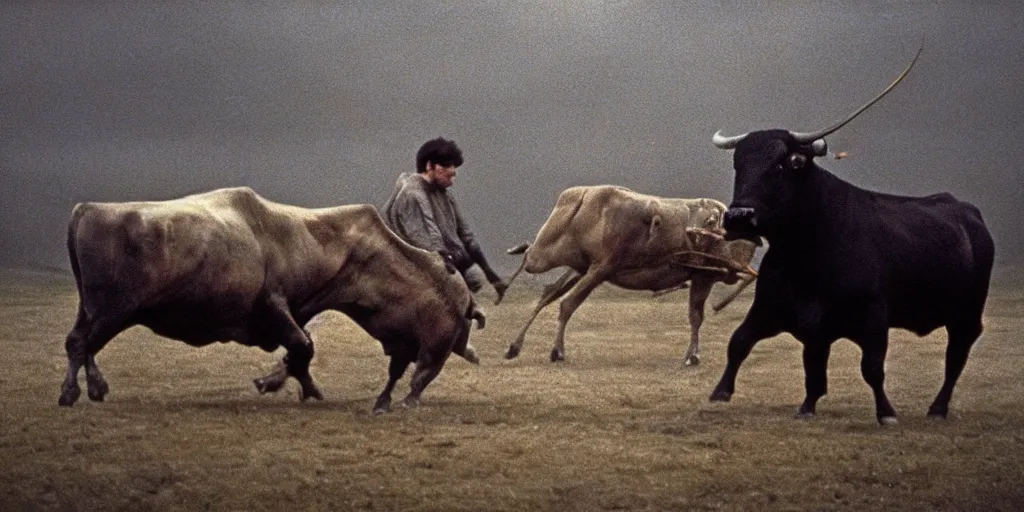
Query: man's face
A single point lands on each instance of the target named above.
(440, 175)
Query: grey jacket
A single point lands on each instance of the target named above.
(426, 216)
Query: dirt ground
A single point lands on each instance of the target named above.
(620, 425)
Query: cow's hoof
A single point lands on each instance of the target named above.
(693, 360)
(69, 396)
(804, 415)
(557, 356)
(381, 409)
(936, 416)
(410, 402)
(98, 390)
(888, 421)
(512, 352)
(720, 396)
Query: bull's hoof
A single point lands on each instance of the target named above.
(382, 405)
(693, 360)
(264, 385)
(470, 355)
(98, 390)
(410, 402)
(888, 421)
(938, 412)
(720, 396)
(512, 352)
(69, 396)
(557, 356)
(310, 391)
(804, 415)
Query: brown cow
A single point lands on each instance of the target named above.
(230, 265)
(635, 241)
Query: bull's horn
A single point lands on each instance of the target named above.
(805, 138)
(723, 142)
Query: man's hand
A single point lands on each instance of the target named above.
(499, 287)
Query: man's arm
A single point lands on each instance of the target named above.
(474, 250)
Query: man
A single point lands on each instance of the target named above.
(424, 214)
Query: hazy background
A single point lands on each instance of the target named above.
(324, 103)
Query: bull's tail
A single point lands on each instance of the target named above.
(462, 346)
(519, 249)
(76, 269)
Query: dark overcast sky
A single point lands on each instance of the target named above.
(324, 103)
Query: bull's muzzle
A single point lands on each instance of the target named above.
(739, 222)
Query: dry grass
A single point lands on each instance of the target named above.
(621, 425)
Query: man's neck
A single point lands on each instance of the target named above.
(430, 182)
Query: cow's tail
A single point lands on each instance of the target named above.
(571, 196)
(519, 249)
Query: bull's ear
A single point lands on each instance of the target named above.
(819, 147)
(797, 161)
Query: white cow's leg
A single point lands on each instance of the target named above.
(579, 293)
(550, 294)
(698, 296)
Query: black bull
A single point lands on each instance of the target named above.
(844, 262)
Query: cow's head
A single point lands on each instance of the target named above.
(769, 165)
(707, 213)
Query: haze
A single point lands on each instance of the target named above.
(322, 103)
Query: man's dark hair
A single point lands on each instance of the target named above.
(440, 151)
